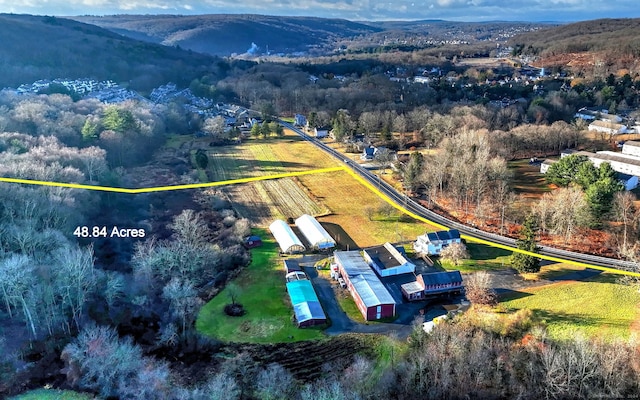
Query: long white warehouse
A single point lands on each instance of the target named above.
(315, 234)
(287, 240)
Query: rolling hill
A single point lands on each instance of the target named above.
(610, 42)
(37, 47)
(224, 34)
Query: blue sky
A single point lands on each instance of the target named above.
(459, 10)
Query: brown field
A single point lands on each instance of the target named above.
(264, 201)
(338, 200)
(485, 62)
(348, 200)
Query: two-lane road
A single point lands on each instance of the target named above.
(468, 233)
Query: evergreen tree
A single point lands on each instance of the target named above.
(524, 262)
(90, 130)
(202, 160)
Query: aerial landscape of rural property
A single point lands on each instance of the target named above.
(214, 200)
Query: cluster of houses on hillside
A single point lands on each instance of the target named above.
(105, 91)
(79, 86)
(626, 163)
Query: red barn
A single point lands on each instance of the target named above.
(252, 241)
(371, 297)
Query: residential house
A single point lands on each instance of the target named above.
(544, 166)
(300, 120)
(432, 243)
(321, 132)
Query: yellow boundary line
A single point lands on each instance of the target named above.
(482, 241)
(169, 188)
(311, 172)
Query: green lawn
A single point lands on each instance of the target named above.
(483, 257)
(592, 308)
(264, 296)
(52, 394)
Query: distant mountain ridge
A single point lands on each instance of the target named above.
(224, 34)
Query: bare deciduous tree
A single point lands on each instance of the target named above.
(478, 288)
(455, 253)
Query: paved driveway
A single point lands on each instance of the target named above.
(340, 321)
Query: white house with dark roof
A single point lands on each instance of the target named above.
(432, 243)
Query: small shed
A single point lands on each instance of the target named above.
(545, 165)
(287, 240)
(315, 234)
(252, 241)
(295, 276)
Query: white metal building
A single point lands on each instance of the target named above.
(387, 260)
(631, 148)
(315, 234)
(287, 240)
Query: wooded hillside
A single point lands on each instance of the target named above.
(37, 47)
(225, 34)
(616, 37)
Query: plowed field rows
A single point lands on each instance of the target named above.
(263, 201)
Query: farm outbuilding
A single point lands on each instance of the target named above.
(315, 234)
(306, 306)
(287, 240)
(388, 260)
(432, 285)
(371, 297)
(253, 241)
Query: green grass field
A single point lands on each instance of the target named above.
(483, 257)
(268, 317)
(592, 308)
(52, 394)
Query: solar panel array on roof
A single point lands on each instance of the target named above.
(287, 240)
(317, 236)
(363, 279)
(444, 235)
(306, 305)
